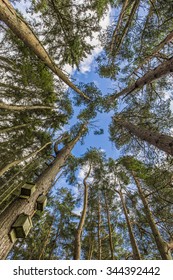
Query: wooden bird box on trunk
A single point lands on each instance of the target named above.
(21, 227)
(41, 202)
(27, 190)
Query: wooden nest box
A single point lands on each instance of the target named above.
(27, 190)
(21, 227)
(41, 202)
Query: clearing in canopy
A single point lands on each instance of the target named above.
(86, 129)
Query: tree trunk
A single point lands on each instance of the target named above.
(15, 89)
(116, 30)
(162, 246)
(161, 141)
(109, 227)
(18, 161)
(91, 235)
(77, 242)
(127, 26)
(24, 108)
(22, 30)
(27, 206)
(90, 252)
(152, 75)
(46, 241)
(53, 246)
(4, 130)
(99, 230)
(155, 51)
(136, 253)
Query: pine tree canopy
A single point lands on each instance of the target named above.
(86, 130)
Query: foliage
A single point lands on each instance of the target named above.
(120, 200)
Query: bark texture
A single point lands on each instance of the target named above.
(77, 242)
(136, 253)
(45, 242)
(18, 161)
(126, 28)
(7, 129)
(109, 227)
(163, 69)
(99, 231)
(27, 206)
(116, 30)
(162, 246)
(22, 30)
(156, 50)
(24, 108)
(161, 141)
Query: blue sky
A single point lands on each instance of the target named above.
(101, 121)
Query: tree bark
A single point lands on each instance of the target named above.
(14, 89)
(127, 26)
(116, 30)
(18, 161)
(161, 141)
(23, 107)
(155, 51)
(162, 246)
(27, 206)
(109, 227)
(22, 30)
(46, 241)
(77, 242)
(99, 230)
(53, 246)
(152, 75)
(136, 253)
(4, 130)
(90, 253)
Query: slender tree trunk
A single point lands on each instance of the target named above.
(46, 241)
(91, 235)
(18, 161)
(77, 242)
(162, 246)
(22, 30)
(116, 30)
(163, 69)
(7, 67)
(90, 252)
(155, 51)
(127, 26)
(4, 130)
(136, 253)
(7, 64)
(23, 107)
(27, 206)
(6, 60)
(109, 227)
(161, 141)
(53, 246)
(99, 230)
(15, 89)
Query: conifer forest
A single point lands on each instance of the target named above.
(86, 153)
